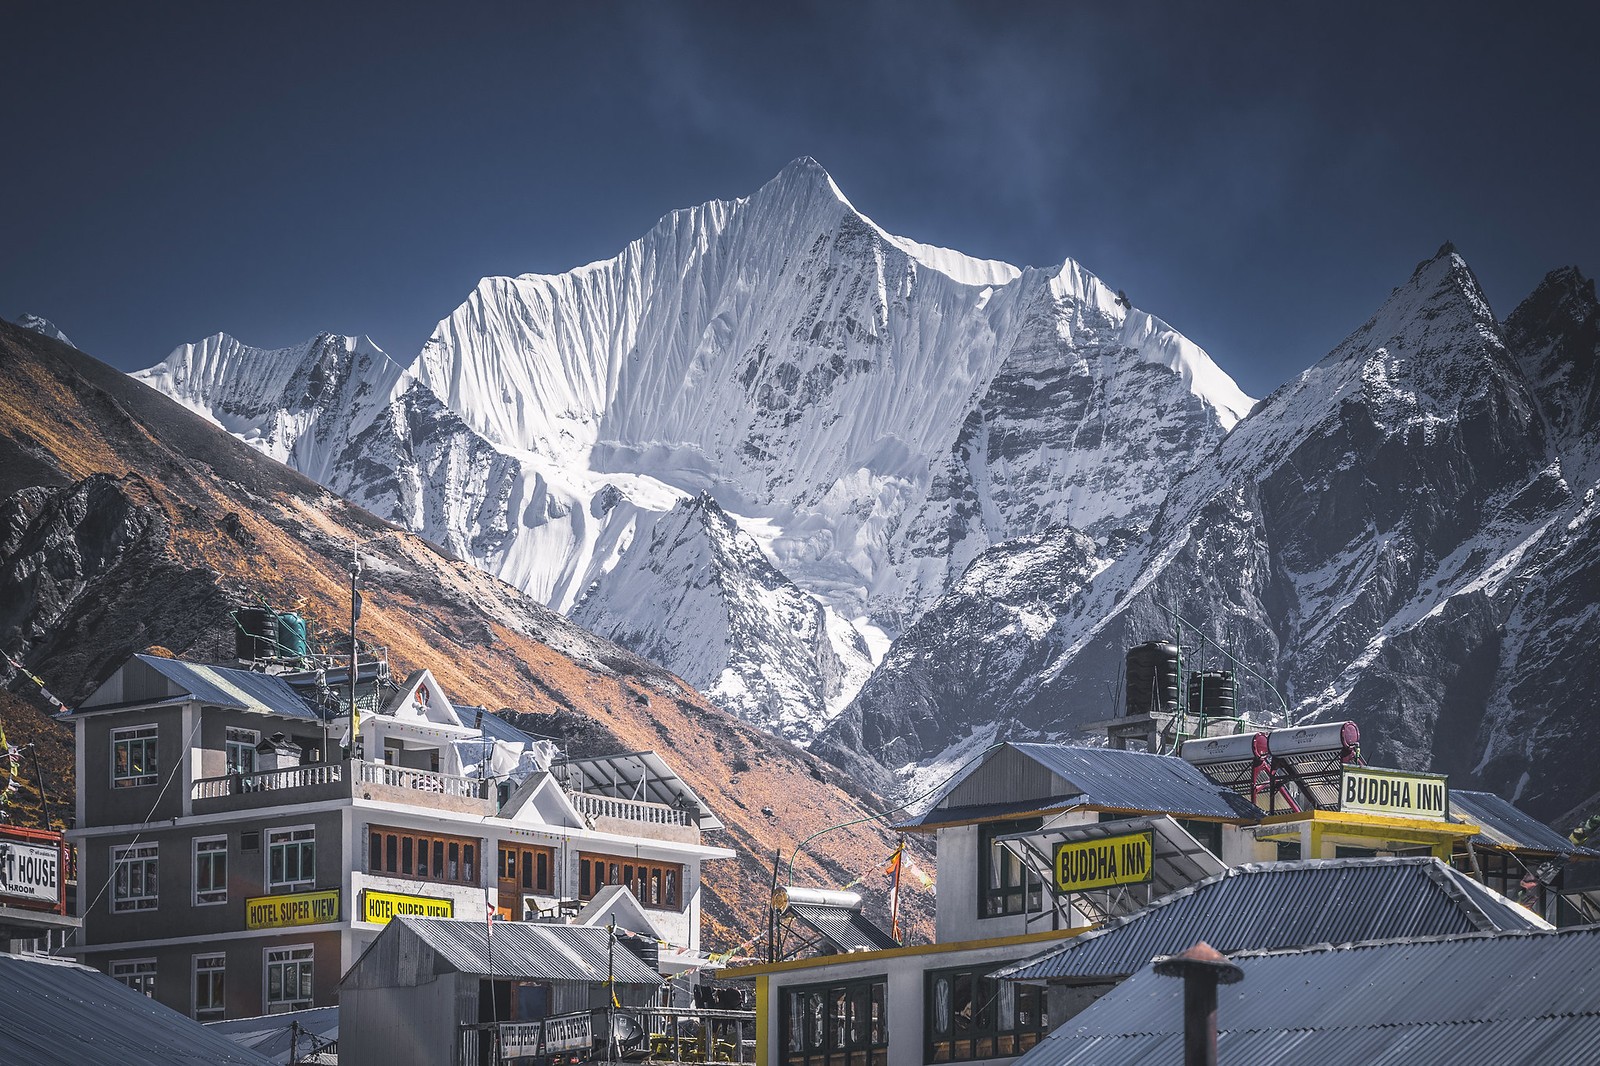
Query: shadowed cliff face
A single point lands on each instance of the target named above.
(126, 522)
(1404, 536)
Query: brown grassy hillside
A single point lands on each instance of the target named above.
(126, 522)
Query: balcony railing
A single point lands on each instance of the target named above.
(632, 1034)
(324, 773)
(366, 773)
(592, 806)
(377, 773)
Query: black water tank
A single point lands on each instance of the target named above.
(256, 633)
(1153, 678)
(1212, 694)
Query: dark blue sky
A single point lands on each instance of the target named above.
(1260, 175)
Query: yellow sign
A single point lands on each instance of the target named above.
(379, 907)
(1371, 790)
(302, 908)
(1119, 860)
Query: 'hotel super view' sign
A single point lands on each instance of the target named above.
(1372, 790)
(1118, 860)
(301, 908)
(378, 907)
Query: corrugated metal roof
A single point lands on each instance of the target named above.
(1506, 825)
(530, 951)
(1260, 906)
(281, 1037)
(226, 686)
(987, 812)
(847, 929)
(1511, 997)
(493, 725)
(1139, 781)
(63, 1014)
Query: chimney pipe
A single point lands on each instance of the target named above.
(1202, 968)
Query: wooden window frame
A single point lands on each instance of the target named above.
(663, 883)
(433, 855)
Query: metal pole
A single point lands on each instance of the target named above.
(355, 612)
(38, 776)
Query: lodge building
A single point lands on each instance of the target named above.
(236, 862)
(1039, 844)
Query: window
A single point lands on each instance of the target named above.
(211, 870)
(422, 856)
(137, 974)
(1209, 834)
(971, 1016)
(291, 858)
(653, 884)
(133, 756)
(208, 985)
(840, 1024)
(289, 978)
(241, 748)
(133, 878)
(1004, 885)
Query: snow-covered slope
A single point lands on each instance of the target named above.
(847, 389)
(1392, 537)
(875, 412)
(701, 596)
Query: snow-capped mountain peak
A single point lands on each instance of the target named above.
(873, 412)
(44, 326)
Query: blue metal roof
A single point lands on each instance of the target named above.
(62, 1014)
(494, 726)
(1513, 997)
(283, 1037)
(988, 812)
(1262, 906)
(1507, 826)
(1114, 779)
(227, 686)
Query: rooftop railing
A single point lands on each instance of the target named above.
(311, 774)
(324, 773)
(377, 773)
(649, 1034)
(593, 806)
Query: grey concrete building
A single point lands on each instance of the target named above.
(233, 861)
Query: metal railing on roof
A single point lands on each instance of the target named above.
(592, 806)
(269, 780)
(377, 773)
(648, 1034)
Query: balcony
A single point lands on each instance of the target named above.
(341, 780)
(428, 788)
(611, 814)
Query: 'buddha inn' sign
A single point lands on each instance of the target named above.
(1119, 860)
(1371, 790)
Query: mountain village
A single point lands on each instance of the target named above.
(1069, 707)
